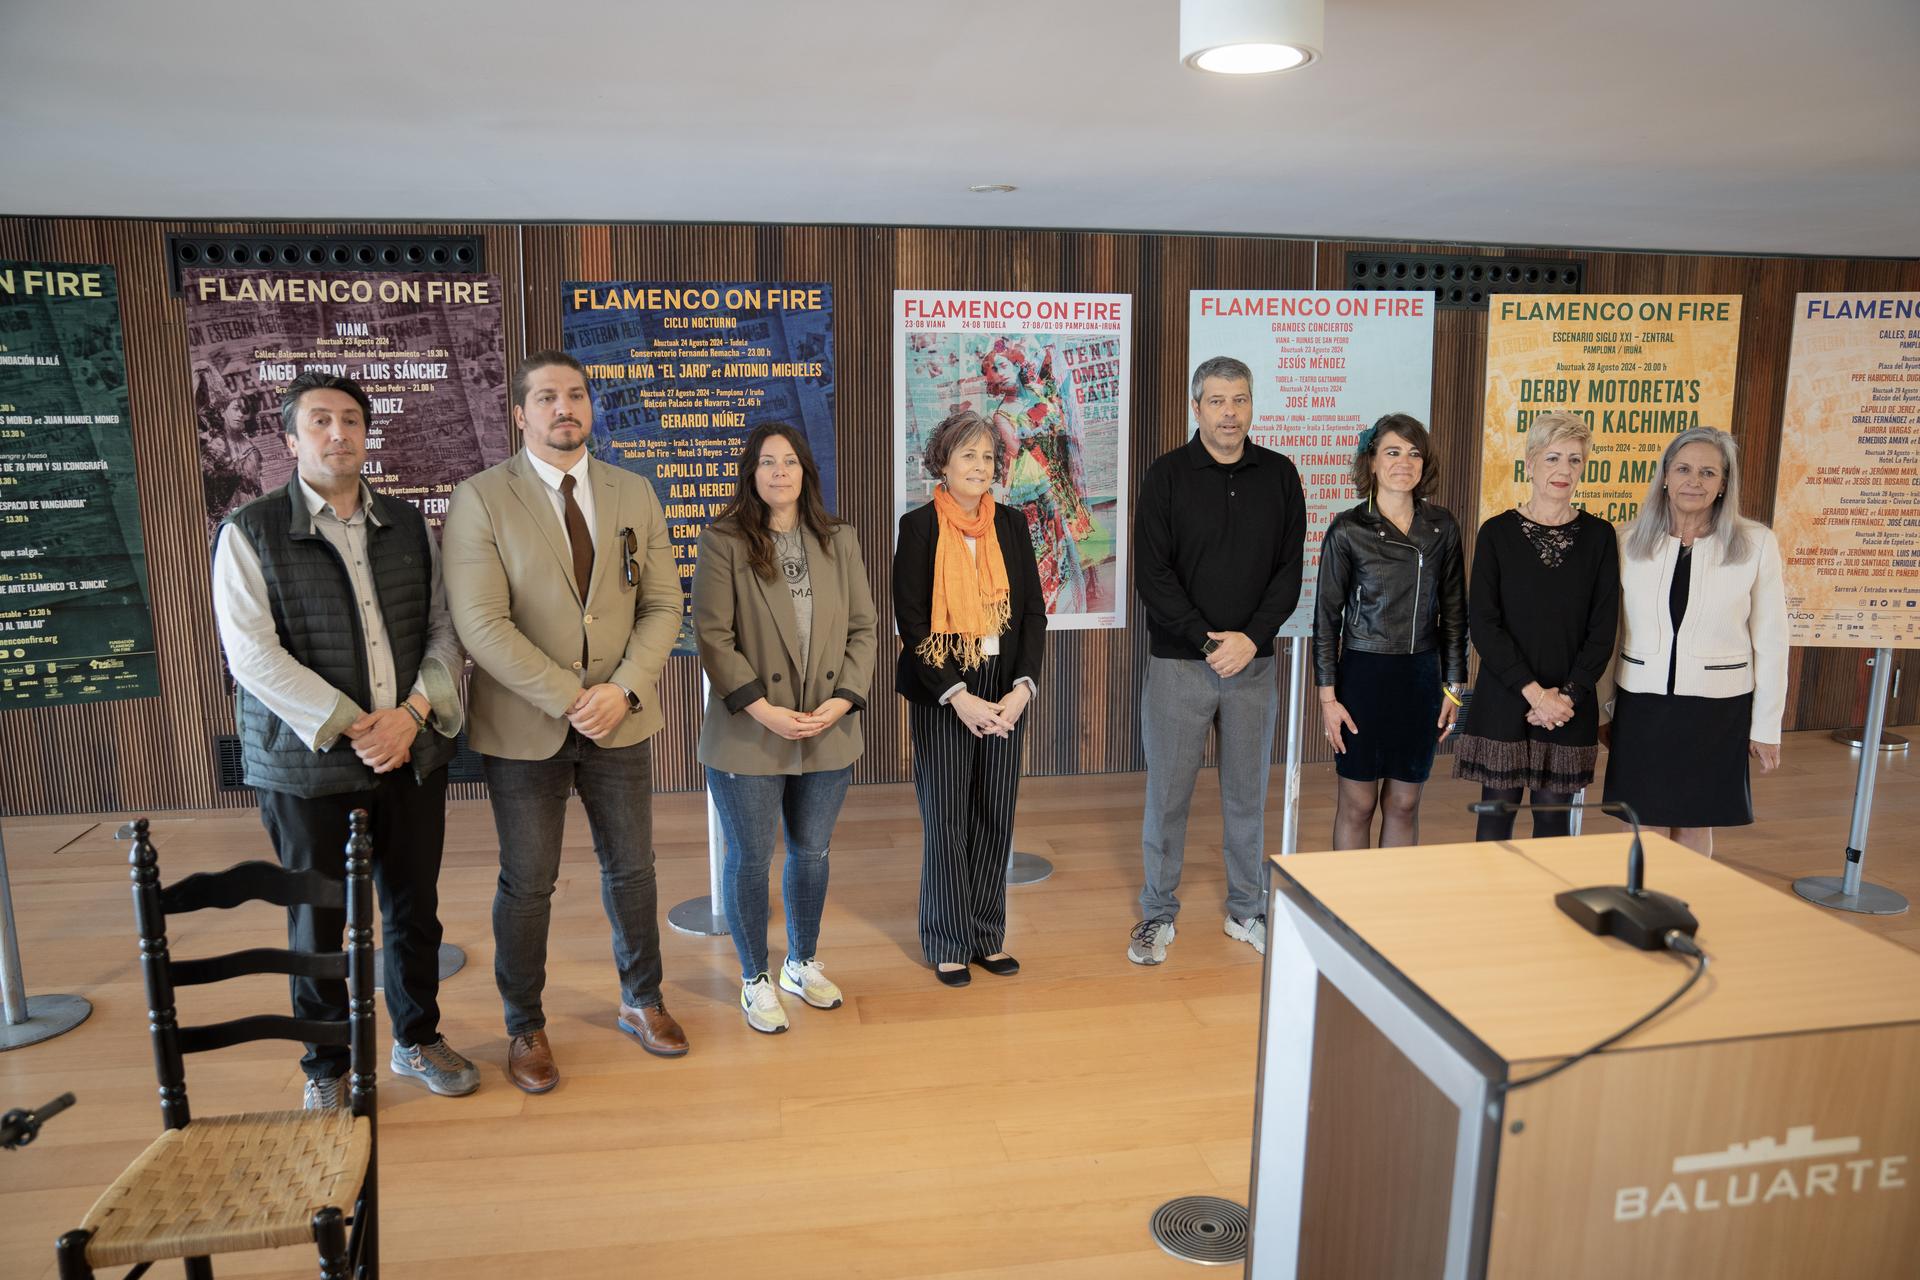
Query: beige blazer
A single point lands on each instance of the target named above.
(510, 588)
(749, 647)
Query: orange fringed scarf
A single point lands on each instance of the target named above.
(969, 591)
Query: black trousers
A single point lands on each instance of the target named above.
(408, 821)
(967, 788)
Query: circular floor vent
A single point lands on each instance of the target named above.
(1203, 1229)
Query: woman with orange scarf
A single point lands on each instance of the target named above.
(973, 626)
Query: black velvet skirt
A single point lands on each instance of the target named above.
(1681, 761)
(1394, 699)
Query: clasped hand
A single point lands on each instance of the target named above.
(383, 739)
(784, 722)
(984, 718)
(598, 710)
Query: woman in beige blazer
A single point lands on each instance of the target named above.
(1702, 666)
(785, 624)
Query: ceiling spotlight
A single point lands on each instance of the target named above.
(982, 188)
(1251, 37)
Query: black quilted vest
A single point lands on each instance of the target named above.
(318, 623)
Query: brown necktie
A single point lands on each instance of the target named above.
(579, 537)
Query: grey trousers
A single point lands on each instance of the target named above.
(1182, 701)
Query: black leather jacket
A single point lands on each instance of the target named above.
(1383, 591)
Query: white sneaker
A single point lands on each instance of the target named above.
(1149, 941)
(1252, 932)
(761, 1003)
(811, 985)
(329, 1094)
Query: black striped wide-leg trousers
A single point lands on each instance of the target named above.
(967, 788)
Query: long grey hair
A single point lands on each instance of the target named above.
(1654, 523)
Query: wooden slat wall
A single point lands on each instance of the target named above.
(156, 753)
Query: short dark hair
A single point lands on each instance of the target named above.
(1408, 428)
(316, 381)
(955, 430)
(1225, 368)
(533, 364)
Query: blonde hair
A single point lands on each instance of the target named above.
(1555, 425)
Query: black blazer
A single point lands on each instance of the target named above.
(1025, 640)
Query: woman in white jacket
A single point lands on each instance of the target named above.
(1702, 667)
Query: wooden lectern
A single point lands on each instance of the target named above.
(1765, 1126)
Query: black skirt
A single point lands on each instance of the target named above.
(1681, 761)
(1394, 699)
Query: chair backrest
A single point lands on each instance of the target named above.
(255, 882)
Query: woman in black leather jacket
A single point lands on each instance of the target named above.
(1389, 627)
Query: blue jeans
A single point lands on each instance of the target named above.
(530, 814)
(751, 808)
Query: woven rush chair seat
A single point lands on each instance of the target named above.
(228, 1183)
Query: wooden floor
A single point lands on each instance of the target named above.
(1022, 1127)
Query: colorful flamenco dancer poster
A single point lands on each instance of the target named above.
(1049, 372)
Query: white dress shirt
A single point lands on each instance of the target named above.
(582, 493)
(297, 693)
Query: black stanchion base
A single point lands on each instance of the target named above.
(452, 961)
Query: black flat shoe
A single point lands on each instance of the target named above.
(953, 977)
(1004, 967)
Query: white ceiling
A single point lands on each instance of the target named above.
(1713, 125)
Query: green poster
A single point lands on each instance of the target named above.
(75, 617)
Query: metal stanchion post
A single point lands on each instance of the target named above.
(28, 1019)
(706, 917)
(1847, 892)
(1296, 719)
(1856, 735)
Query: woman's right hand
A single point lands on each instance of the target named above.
(980, 716)
(1333, 717)
(782, 722)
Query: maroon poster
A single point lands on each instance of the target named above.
(426, 347)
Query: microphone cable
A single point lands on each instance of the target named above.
(1677, 942)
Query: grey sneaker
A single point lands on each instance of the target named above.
(437, 1066)
(1253, 932)
(325, 1095)
(1149, 942)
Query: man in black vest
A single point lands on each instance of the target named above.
(334, 620)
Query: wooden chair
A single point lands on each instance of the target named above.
(264, 1179)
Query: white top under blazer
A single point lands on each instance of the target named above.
(1733, 637)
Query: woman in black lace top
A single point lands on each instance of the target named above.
(1542, 612)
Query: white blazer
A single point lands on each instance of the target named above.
(1733, 637)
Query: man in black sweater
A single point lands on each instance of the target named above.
(1219, 534)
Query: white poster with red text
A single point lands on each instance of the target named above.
(1325, 366)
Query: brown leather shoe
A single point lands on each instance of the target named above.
(655, 1029)
(530, 1062)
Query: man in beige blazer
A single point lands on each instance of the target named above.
(563, 589)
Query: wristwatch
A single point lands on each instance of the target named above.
(1206, 650)
(633, 699)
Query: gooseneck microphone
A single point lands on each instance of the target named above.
(1632, 913)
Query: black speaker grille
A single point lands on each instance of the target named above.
(460, 254)
(228, 763)
(1461, 281)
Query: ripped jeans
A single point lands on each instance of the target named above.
(752, 809)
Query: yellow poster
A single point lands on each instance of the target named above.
(1847, 508)
(1641, 368)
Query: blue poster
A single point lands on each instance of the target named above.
(682, 373)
